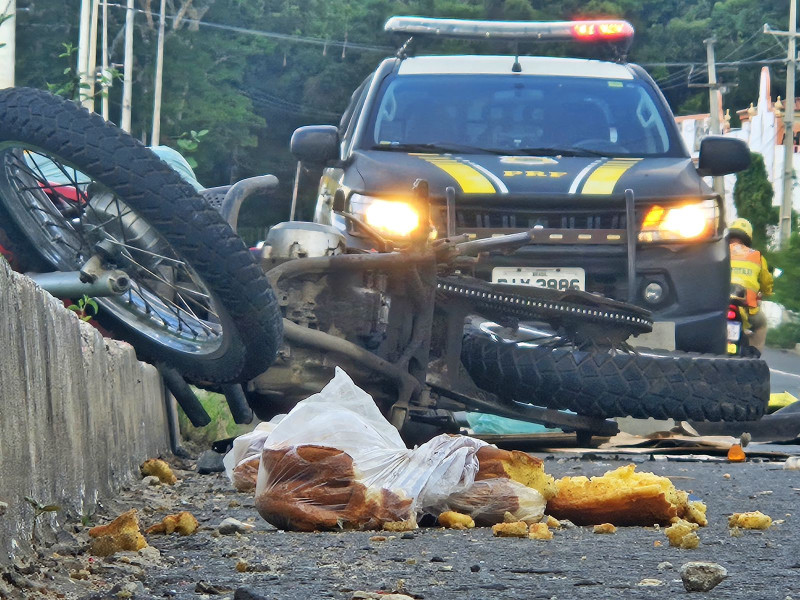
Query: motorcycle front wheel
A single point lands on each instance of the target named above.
(73, 186)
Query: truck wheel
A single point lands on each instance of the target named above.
(615, 383)
(73, 186)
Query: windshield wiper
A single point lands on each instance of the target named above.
(554, 151)
(439, 147)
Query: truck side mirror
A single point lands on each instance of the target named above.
(722, 155)
(315, 144)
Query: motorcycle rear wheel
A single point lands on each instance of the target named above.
(198, 300)
(615, 383)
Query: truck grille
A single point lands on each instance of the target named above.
(482, 218)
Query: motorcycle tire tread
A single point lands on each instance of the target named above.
(606, 383)
(158, 194)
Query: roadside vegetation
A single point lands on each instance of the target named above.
(251, 91)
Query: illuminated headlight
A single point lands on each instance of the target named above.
(392, 218)
(680, 222)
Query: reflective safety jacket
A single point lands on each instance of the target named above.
(749, 269)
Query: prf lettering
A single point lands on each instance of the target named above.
(552, 174)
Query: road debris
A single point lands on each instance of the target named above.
(736, 454)
(682, 534)
(702, 576)
(182, 523)
(623, 497)
(122, 533)
(3, 508)
(455, 520)
(518, 529)
(604, 528)
(151, 480)
(160, 469)
(792, 463)
(648, 582)
(540, 531)
(750, 520)
(210, 462)
(231, 526)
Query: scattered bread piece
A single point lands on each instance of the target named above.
(552, 522)
(456, 520)
(518, 529)
(622, 497)
(160, 469)
(517, 466)
(121, 534)
(409, 524)
(183, 523)
(750, 520)
(604, 528)
(681, 534)
(245, 474)
(540, 531)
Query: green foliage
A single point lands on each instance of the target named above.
(85, 308)
(787, 286)
(188, 142)
(221, 426)
(784, 336)
(752, 196)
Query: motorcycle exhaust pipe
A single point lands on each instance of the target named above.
(68, 284)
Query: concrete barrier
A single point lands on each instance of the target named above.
(78, 413)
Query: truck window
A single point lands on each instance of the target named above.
(513, 113)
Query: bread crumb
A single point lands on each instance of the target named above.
(681, 534)
(160, 469)
(540, 531)
(604, 528)
(552, 522)
(183, 523)
(456, 520)
(750, 520)
(518, 529)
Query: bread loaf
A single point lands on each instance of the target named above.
(622, 497)
(517, 466)
(316, 488)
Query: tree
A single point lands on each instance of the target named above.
(752, 196)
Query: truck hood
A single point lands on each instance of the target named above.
(393, 173)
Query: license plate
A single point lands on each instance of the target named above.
(734, 331)
(555, 278)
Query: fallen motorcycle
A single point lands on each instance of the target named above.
(408, 322)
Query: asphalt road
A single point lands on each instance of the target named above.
(784, 369)
(440, 564)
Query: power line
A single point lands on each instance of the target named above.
(273, 34)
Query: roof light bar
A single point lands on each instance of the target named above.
(587, 31)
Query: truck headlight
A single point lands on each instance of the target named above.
(689, 221)
(393, 218)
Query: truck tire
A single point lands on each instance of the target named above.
(198, 300)
(615, 383)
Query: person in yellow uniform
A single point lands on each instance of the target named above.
(749, 269)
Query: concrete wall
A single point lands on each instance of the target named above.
(78, 413)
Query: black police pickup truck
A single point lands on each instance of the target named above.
(585, 152)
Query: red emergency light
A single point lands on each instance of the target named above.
(598, 31)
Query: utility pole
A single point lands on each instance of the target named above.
(83, 54)
(714, 104)
(785, 223)
(154, 139)
(127, 81)
(91, 63)
(8, 29)
(104, 77)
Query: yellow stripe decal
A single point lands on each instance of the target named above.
(470, 179)
(603, 179)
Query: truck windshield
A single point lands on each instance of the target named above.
(520, 114)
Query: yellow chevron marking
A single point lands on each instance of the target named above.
(603, 179)
(469, 179)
